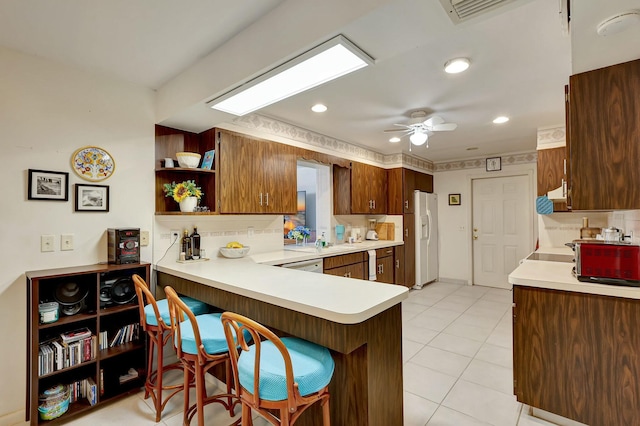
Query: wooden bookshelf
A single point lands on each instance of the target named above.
(96, 315)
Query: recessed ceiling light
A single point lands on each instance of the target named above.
(501, 119)
(456, 65)
(319, 108)
(618, 23)
(394, 139)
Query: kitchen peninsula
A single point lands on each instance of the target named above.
(575, 345)
(359, 321)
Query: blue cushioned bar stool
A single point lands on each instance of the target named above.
(201, 345)
(156, 322)
(288, 374)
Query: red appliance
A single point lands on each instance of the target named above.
(608, 263)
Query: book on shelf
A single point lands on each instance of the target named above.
(91, 391)
(125, 334)
(56, 355)
(75, 335)
(131, 374)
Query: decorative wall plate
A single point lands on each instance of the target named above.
(93, 163)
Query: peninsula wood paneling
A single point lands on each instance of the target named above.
(366, 388)
(577, 355)
(605, 138)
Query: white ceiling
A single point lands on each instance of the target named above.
(194, 50)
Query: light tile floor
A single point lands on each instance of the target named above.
(457, 366)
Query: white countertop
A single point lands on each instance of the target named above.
(558, 276)
(338, 299)
(294, 253)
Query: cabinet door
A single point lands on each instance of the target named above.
(605, 138)
(409, 250)
(378, 189)
(424, 182)
(551, 173)
(241, 174)
(399, 265)
(396, 191)
(355, 270)
(360, 184)
(384, 270)
(279, 192)
(409, 183)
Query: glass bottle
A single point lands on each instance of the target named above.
(186, 245)
(195, 243)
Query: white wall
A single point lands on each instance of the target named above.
(47, 111)
(454, 222)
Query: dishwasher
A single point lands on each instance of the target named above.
(313, 265)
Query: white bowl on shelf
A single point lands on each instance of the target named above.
(189, 160)
(234, 253)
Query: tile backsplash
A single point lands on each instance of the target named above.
(559, 228)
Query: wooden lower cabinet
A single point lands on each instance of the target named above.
(577, 355)
(409, 236)
(352, 265)
(385, 268)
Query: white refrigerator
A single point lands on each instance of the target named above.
(426, 214)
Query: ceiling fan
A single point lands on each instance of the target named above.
(419, 127)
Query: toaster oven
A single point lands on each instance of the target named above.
(607, 263)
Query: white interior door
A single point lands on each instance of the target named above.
(502, 227)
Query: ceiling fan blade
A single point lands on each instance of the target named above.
(433, 121)
(406, 129)
(444, 127)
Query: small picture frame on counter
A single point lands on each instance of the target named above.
(92, 198)
(454, 199)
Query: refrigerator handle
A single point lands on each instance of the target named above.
(428, 226)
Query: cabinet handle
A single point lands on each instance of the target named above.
(406, 204)
(267, 198)
(564, 166)
(564, 188)
(397, 263)
(406, 232)
(261, 198)
(374, 204)
(389, 251)
(381, 268)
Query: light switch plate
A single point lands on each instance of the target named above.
(66, 242)
(46, 243)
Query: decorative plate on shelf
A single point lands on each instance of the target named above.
(93, 163)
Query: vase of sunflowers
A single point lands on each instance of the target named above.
(186, 194)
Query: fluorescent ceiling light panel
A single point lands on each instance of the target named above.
(319, 65)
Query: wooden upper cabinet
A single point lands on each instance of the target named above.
(551, 173)
(402, 184)
(368, 189)
(255, 176)
(604, 124)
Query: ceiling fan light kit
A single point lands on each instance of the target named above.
(457, 65)
(419, 128)
(419, 138)
(501, 119)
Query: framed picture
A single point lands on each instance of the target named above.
(92, 198)
(454, 199)
(48, 185)
(207, 162)
(494, 164)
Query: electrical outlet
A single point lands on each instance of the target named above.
(144, 238)
(250, 231)
(175, 233)
(46, 243)
(66, 242)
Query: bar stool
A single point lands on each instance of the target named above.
(156, 322)
(201, 345)
(288, 374)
